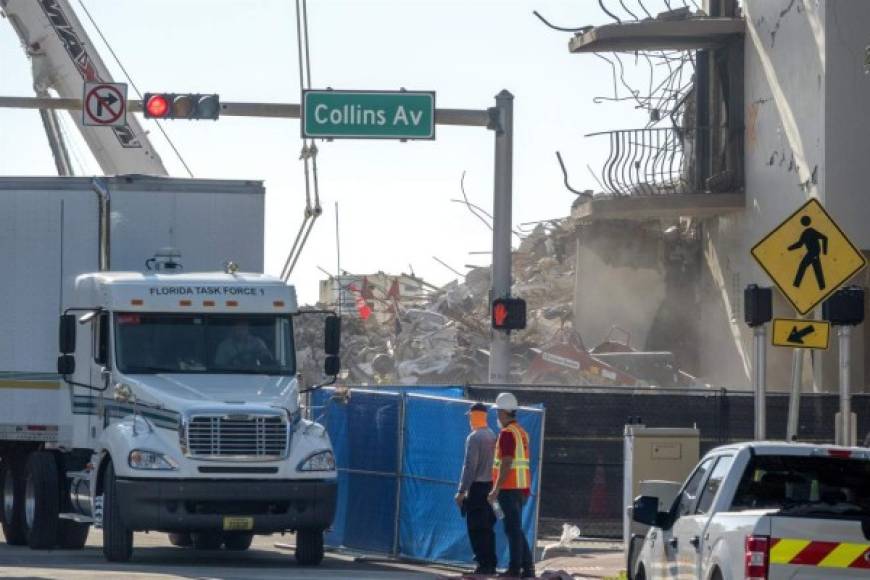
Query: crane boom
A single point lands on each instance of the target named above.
(63, 58)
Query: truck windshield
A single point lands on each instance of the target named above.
(204, 343)
(806, 486)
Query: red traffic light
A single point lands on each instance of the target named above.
(156, 106)
(181, 106)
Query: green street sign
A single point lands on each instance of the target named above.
(368, 114)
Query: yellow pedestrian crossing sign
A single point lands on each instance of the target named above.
(801, 333)
(808, 256)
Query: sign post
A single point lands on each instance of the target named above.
(759, 380)
(809, 257)
(844, 339)
(798, 335)
(757, 312)
(794, 399)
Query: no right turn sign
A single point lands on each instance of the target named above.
(104, 104)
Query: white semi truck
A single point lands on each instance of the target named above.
(136, 391)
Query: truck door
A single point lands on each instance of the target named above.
(101, 355)
(679, 552)
(692, 545)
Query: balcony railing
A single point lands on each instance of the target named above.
(657, 161)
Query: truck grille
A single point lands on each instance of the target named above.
(237, 437)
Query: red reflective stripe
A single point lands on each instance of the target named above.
(862, 561)
(814, 553)
(773, 542)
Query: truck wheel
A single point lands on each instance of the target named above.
(72, 535)
(207, 540)
(238, 542)
(117, 538)
(41, 501)
(309, 547)
(181, 540)
(12, 473)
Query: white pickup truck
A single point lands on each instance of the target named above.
(762, 511)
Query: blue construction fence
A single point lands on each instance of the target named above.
(399, 454)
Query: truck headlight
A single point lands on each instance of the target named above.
(144, 459)
(320, 461)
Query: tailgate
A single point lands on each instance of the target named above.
(805, 547)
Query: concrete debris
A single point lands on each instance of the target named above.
(444, 338)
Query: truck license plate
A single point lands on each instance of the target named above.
(236, 524)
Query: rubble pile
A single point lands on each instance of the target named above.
(446, 339)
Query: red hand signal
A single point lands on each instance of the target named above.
(499, 314)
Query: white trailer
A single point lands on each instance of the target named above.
(173, 405)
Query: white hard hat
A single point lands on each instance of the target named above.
(506, 402)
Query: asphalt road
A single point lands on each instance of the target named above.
(154, 557)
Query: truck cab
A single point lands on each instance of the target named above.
(185, 400)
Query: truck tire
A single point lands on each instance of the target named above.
(12, 481)
(309, 547)
(41, 500)
(182, 540)
(117, 538)
(72, 535)
(238, 542)
(207, 540)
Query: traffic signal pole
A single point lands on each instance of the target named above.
(500, 346)
(499, 119)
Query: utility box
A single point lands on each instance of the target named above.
(660, 454)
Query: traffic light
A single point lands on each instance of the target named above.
(509, 313)
(181, 106)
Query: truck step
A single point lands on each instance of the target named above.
(79, 475)
(79, 518)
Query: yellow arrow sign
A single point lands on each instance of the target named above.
(808, 256)
(801, 333)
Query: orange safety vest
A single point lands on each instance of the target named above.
(519, 477)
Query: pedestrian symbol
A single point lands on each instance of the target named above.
(809, 240)
(808, 256)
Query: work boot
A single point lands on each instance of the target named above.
(528, 573)
(484, 571)
(509, 574)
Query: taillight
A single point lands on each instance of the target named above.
(840, 453)
(757, 559)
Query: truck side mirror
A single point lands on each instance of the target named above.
(67, 334)
(66, 364)
(332, 336)
(332, 365)
(646, 510)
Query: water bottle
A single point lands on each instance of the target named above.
(499, 513)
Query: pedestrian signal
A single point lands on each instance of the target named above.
(509, 313)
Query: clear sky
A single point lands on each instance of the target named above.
(394, 198)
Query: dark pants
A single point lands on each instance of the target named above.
(480, 520)
(511, 502)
